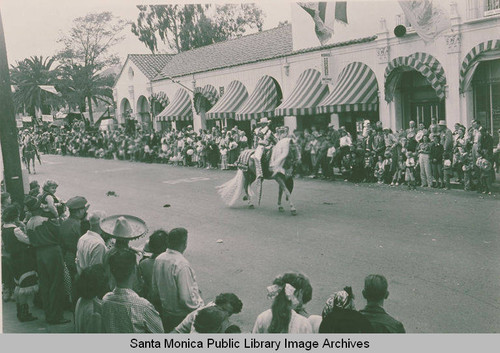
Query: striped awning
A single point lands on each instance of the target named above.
(179, 109)
(207, 94)
(426, 64)
(356, 90)
(306, 95)
(226, 108)
(472, 59)
(262, 102)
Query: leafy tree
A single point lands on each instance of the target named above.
(28, 75)
(184, 27)
(87, 51)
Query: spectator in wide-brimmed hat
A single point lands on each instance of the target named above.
(123, 229)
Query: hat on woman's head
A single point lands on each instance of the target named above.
(264, 121)
(123, 227)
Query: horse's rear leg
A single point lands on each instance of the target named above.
(288, 195)
(34, 170)
(247, 195)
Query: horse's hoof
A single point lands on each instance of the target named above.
(281, 209)
(251, 207)
(294, 212)
(245, 198)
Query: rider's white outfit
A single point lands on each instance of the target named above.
(264, 137)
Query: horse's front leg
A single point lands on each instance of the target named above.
(281, 182)
(280, 194)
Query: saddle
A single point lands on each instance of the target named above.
(244, 159)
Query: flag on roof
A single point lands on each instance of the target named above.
(324, 15)
(428, 19)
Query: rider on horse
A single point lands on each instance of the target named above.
(264, 139)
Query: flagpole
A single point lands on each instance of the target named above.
(8, 132)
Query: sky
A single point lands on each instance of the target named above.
(32, 27)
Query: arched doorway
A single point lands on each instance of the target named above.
(416, 84)
(143, 115)
(125, 110)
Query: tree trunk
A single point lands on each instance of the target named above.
(91, 116)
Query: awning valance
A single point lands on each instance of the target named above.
(262, 102)
(356, 90)
(207, 94)
(179, 109)
(425, 64)
(308, 92)
(485, 51)
(230, 102)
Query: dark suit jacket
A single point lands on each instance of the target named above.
(381, 321)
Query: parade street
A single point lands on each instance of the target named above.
(438, 249)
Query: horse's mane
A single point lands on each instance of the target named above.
(279, 156)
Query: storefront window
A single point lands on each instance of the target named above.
(486, 86)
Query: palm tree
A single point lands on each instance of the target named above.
(28, 76)
(81, 87)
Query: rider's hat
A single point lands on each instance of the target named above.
(264, 121)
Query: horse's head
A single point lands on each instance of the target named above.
(293, 157)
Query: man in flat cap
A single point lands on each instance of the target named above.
(71, 231)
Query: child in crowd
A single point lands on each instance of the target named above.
(379, 170)
(410, 170)
(398, 174)
(467, 167)
(447, 169)
(223, 156)
(387, 164)
(485, 167)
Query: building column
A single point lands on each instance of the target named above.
(454, 112)
(291, 122)
(335, 120)
(386, 115)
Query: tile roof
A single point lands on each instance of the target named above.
(150, 64)
(263, 45)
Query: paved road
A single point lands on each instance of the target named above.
(439, 250)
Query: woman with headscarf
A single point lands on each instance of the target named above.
(340, 300)
(288, 293)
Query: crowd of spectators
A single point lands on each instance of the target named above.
(431, 156)
(215, 148)
(61, 257)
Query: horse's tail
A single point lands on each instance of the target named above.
(231, 191)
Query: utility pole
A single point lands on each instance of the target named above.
(8, 130)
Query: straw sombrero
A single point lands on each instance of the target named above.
(124, 227)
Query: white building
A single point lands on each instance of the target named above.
(367, 73)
